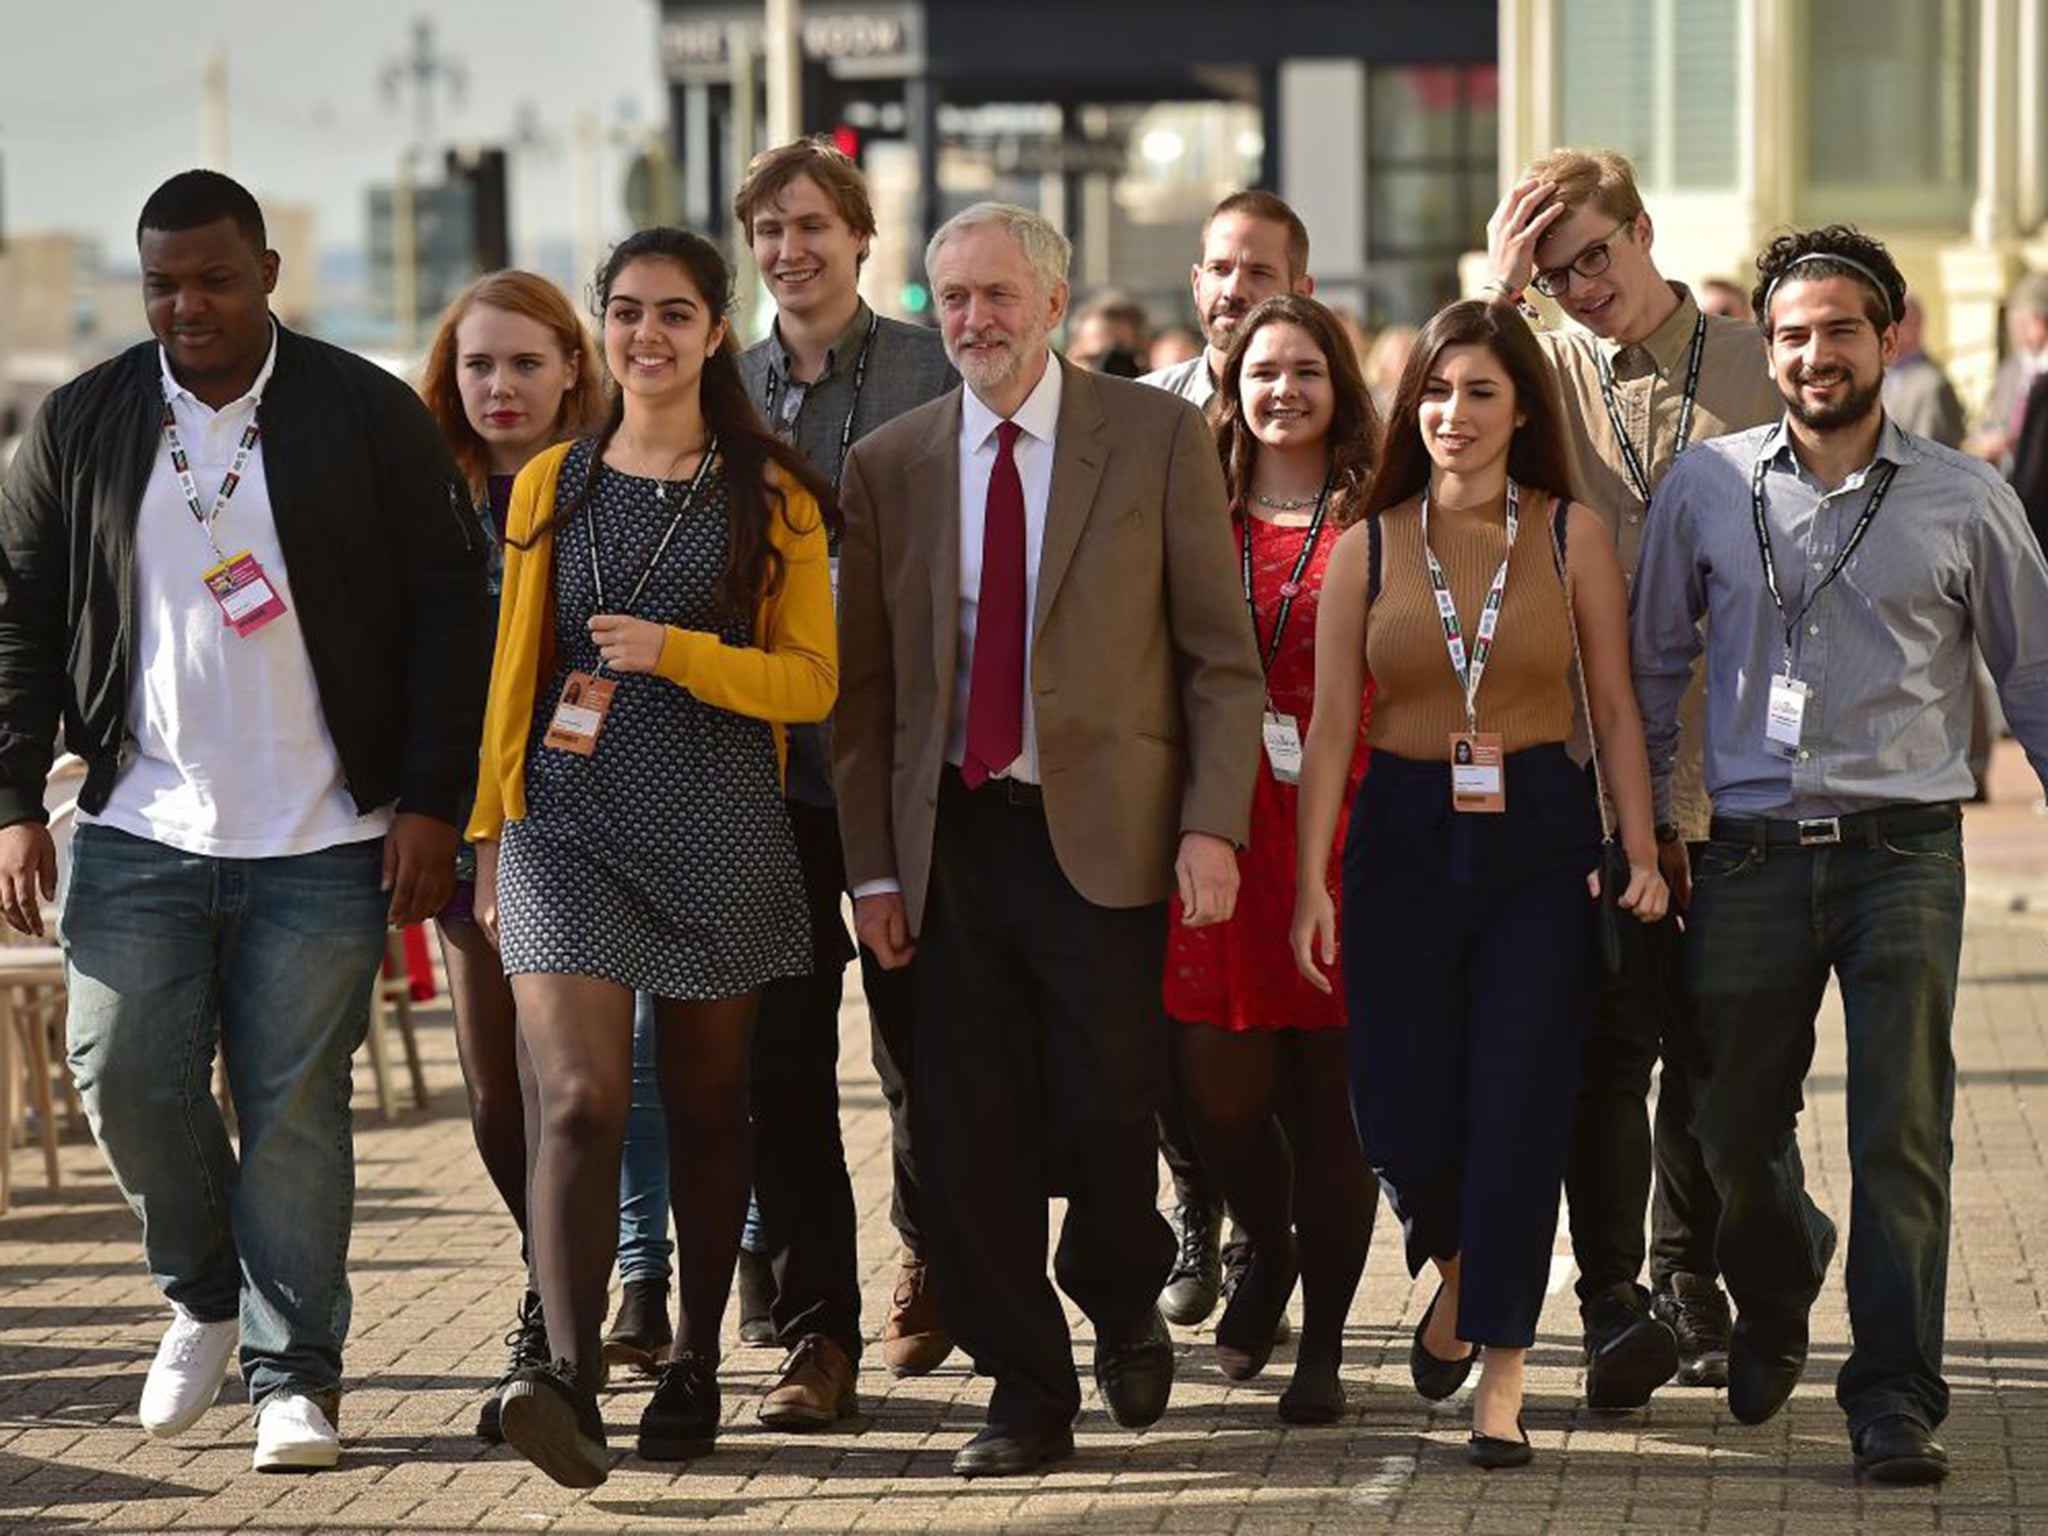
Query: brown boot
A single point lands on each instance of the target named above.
(816, 1389)
(914, 1341)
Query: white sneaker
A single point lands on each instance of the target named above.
(185, 1377)
(293, 1435)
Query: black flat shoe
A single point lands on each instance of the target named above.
(1764, 1365)
(1249, 1327)
(1436, 1379)
(1134, 1374)
(552, 1419)
(998, 1452)
(1896, 1449)
(1494, 1454)
(680, 1422)
(1315, 1396)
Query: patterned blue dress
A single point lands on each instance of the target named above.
(664, 860)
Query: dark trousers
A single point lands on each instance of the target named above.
(1469, 962)
(800, 1178)
(1638, 1017)
(1041, 1056)
(1884, 914)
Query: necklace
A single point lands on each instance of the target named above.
(1286, 503)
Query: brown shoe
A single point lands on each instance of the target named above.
(816, 1389)
(914, 1341)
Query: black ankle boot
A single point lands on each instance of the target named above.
(641, 1333)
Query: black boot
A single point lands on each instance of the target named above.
(1696, 1310)
(1197, 1277)
(525, 1345)
(681, 1419)
(757, 1298)
(1629, 1353)
(552, 1420)
(641, 1333)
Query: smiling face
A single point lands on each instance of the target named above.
(206, 294)
(512, 375)
(1827, 357)
(1616, 304)
(1244, 260)
(658, 331)
(994, 313)
(1284, 384)
(1468, 412)
(808, 254)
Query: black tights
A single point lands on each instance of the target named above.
(1271, 1112)
(504, 1105)
(579, 1033)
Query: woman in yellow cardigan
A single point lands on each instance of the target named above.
(667, 609)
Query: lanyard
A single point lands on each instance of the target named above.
(1470, 672)
(860, 377)
(1630, 460)
(1290, 589)
(653, 560)
(181, 464)
(1763, 545)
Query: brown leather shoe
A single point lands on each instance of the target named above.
(816, 1389)
(914, 1341)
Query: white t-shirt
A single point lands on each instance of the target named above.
(227, 752)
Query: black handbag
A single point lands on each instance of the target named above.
(1613, 867)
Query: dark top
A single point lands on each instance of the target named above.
(906, 367)
(380, 541)
(2030, 459)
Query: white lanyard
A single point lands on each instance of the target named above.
(181, 465)
(1470, 671)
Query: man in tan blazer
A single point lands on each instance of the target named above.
(1048, 726)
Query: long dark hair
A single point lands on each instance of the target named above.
(753, 566)
(1353, 442)
(1537, 456)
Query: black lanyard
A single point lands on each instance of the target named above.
(860, 378)
(1290, 589)
(653, 560)
(1630, 460)
(1763, 544)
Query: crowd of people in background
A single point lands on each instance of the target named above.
(1312, 758)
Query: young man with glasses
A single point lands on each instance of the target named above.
(1643, 374)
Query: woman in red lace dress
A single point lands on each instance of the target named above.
(1259, 1051)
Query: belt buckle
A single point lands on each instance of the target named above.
(1820, 831)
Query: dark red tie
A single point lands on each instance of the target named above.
(995, 686)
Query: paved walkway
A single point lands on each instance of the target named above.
(436, 1277)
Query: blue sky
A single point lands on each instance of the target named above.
(100, 100)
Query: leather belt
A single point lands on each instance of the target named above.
(1021, 792)
(1869, 827)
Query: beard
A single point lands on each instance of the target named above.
(1855, 405)
(988, 374)
(1219, 325)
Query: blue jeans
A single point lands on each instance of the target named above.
(272, 960)
(1885, 914)
(644, 1246)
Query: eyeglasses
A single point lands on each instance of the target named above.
(1591, 262)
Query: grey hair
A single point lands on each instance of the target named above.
(1048, 252)
(2030, 294)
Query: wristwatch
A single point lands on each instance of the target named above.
(1666, 832)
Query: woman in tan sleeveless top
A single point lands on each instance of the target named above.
(1469, 940)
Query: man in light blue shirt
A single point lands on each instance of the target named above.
(1843, 568)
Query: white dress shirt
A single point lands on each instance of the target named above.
(1039, 418)
(227, 754)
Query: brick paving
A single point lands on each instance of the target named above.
(436, 1276)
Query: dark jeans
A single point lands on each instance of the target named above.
(1884, 914)
(171, 956)
(1638, 1017)
(1041, 1057)
(1469, 957)
(800, 1181)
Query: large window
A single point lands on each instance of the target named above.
(1890, 106)
(1657, 80)
(1432, 168)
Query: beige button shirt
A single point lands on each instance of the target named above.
(1735, 393)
